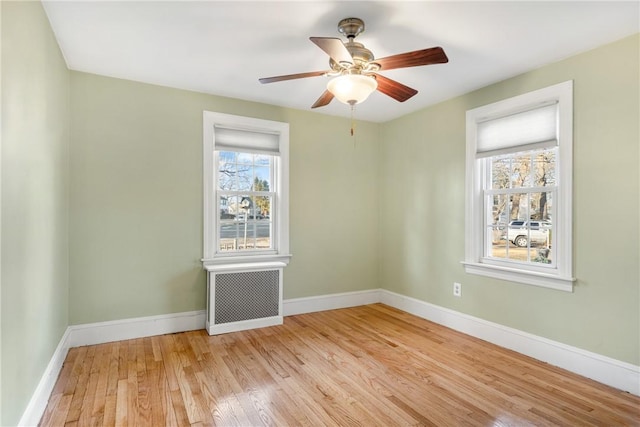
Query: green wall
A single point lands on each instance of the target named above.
(422, 167)
(136, 199)
(34, 194)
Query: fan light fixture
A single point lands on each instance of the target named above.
(352, 88)
(357, 68)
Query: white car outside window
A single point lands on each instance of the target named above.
(521, 232)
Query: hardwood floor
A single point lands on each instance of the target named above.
(370, 366)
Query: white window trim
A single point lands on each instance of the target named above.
(281, 226)
(561, 277)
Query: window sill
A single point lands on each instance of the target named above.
(520, 276)
(256, 260)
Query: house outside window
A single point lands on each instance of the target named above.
(246, 174)
(518, 189)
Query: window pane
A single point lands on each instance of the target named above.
(500, 171)
(245, 204)
(542, 255)
(225, 214)
(262, 207)
(518, 207)
(262, 178)
(227, 171)
(228, 207)
(245, 158)
(263, 234)
(262, 160)
(499, 247)
(540, 207)
(544, 167)
(517, 253)
(248, 237)
(521, 171)
(518, 233)
(234, 206)
(262, 230)
(245, 177)
(227, 156)
(499, 210)
(228, 236)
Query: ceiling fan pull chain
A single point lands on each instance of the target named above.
(352, 122)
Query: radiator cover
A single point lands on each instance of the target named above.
(244, 298)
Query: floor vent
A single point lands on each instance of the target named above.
(243, 299)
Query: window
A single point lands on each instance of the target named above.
(518, 188)
(245, 189)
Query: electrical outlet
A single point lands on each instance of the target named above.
(457, 289)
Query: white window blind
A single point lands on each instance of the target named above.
(229, 139)
(531, 129)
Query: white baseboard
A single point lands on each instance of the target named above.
(615, 373)
(99, 333)
(295, 306)
(38, 403)
(606, 370)
(126, 329)
(243, 325)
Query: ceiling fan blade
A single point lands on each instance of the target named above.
(324, 99)
(334, 48)
(394, 89)
(433, 55)
(292, 76)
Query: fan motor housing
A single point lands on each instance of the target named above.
(362, 60)
(359, 52)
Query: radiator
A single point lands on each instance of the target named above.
(243, 297)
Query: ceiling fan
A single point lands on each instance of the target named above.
(355, 69)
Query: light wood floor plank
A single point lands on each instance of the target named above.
(97, 406)
(84, 372)
(370, 366)
(109, 413)
(121, 410)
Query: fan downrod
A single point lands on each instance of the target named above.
(351, 27)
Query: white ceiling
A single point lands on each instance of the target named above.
(223, 47)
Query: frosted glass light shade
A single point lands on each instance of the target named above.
(352, 88)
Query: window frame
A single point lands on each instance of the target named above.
(559, 277)
(280, 203)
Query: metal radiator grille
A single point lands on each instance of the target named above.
(246, 296)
